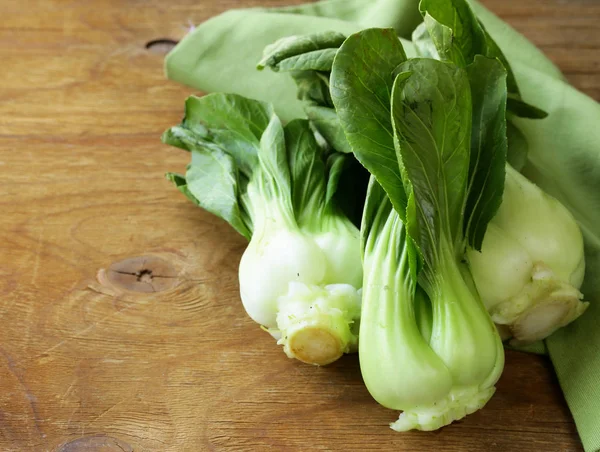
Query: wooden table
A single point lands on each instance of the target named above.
(173, 363)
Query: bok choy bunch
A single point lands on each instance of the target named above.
(531, 264)
(301, 274)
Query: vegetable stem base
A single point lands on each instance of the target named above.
(459, 403)
(317, 324)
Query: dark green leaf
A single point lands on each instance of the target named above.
(292, 46)
(361, 85)
(455, 30)
(317, 60)
(517, 146)
(313, 87)
(443, 39)
(326, 122)
(487, 79)
(523, 110)
(431, 111)
(493, 51)
(459, 36)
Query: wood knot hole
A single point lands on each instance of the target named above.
(143, 274)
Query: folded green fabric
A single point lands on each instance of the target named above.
(564, 155)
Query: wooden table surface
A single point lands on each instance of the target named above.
(120, 359)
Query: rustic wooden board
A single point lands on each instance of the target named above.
(85, 365)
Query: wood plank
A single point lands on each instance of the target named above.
(86, 365)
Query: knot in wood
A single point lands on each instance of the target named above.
(143, 274)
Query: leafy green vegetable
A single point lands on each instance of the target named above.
(327, 123)
(522, 109)
(563, 147)
(361, 81)
(459, 36)
(301, 50)
(487, 79)
(409, 122)
(432, 122)
(300, 274)
(432, 114)
(317, 60)
(309, 59)
(517, 146)
(399, 367)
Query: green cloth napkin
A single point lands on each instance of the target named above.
(564, 159)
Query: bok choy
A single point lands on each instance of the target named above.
(531, 263)
(409, 122)
(301, 274)
(529, 294)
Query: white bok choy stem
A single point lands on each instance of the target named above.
(531, 263)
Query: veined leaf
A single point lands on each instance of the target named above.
(459, 36)
(292, 46)
(230, 121)
(361, 86)
(307, 168)
(317, 60)
(181, 184)
(313, 87)
(212, 180)
(487, 79)
(431, 112)
(455, 30)
(326, 122)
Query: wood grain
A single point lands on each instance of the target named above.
(86, 364)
